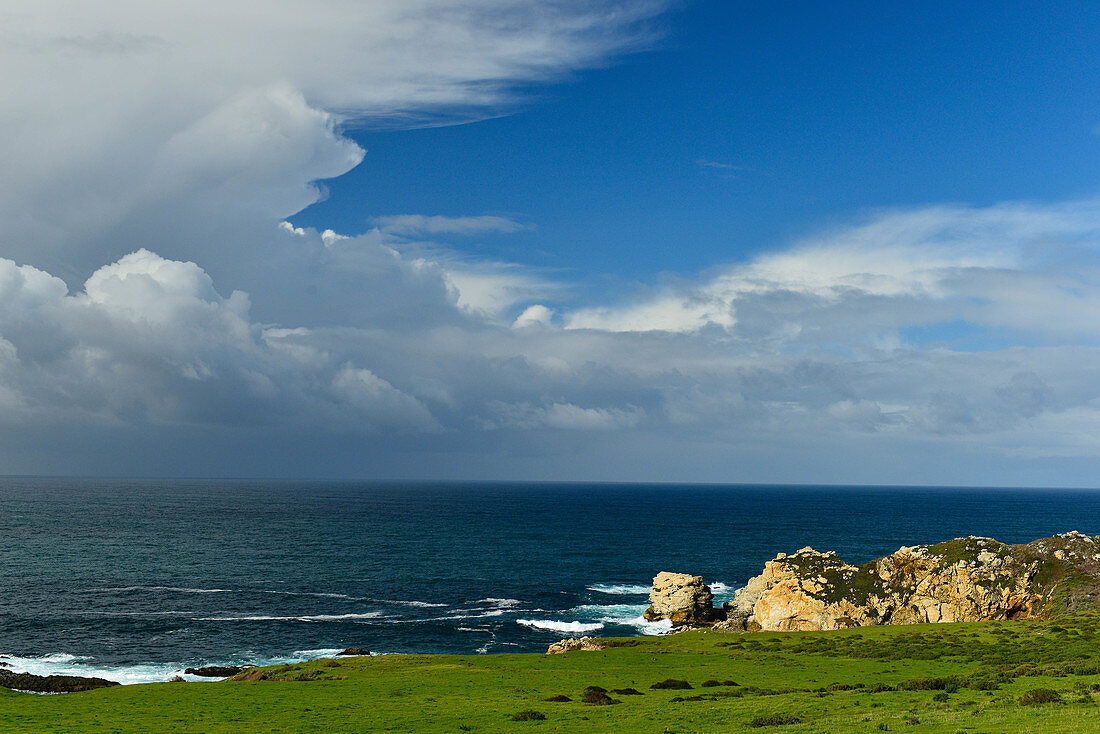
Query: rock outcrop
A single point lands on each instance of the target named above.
(353, 651)
(50, 683)
(573, 645)
(961, 580)
(682, 599)
(217, 671)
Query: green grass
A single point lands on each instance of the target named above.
(929, 678)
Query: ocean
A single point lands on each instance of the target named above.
(134, 580)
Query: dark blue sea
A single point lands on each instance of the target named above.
(135, 580)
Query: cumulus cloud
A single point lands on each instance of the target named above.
(201, 123)
(880, 359)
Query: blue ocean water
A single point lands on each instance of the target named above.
(135, 580)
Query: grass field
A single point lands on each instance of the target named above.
(978, 677)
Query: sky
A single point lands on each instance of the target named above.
(659, 240)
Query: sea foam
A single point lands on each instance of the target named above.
(625, 589)
(555, 626)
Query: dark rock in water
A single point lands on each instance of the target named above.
(217, 671)
(50, 683)
(5, 665)
(354, 651)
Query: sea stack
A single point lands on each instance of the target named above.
(682, 599)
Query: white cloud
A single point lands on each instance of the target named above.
(200, 123)
(1013, 266)
(417, 224)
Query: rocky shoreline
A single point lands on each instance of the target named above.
(962, 580)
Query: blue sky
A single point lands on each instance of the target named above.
(747, 127)
(502, 239)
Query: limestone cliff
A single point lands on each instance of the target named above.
(966, 579)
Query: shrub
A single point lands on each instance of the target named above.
(1038, 696)
(529, 716)
(710, 683)
(880, 688)
(940, 697)
(774, 720)
(924, 684)
(672, 684)
(627, 691)
(598, 698)
(558, 699)
(594, 689)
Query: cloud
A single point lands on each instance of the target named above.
(417, 224)
(1014, 266)
(200, 124)
(160, 315)
(846, 345)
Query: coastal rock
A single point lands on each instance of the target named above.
(682, 599)
(217, 671)
(50, 683)
(961, 580)
(573, 645)
(353, 651)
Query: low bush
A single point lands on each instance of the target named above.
(529, 716)
(672, 684)
(774, 720)
(924, 684)
(598, 698)
(1038, 696)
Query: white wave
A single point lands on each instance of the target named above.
(321, 594)
(614, 613)
(631, 589)
(627, 615)
(555, 626)
(296, 618)
(323, 652)
(176, 589)
(646, 627)
(500, 602)
(719, 588)
(469, 615)
(147, 672)
(404, 603)
(61, 664)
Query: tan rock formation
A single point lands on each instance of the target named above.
(966, 579)
(573, 645)
(681, 598)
